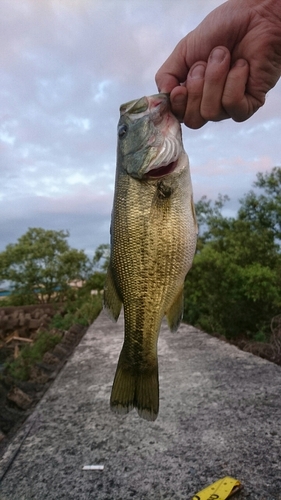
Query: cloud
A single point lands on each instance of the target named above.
(65, 68)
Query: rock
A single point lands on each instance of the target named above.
(60, 352)
(44, 321)
(21, 320)
(3, 321)
(69, 338)
(27, 319)
(9, 418)
(2, 436)
(15, 315)
(50, 359)
(34, 324)
(20, 398)
(77, 329)
(12, 323)
(36, 375)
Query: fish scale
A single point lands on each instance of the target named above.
(153, 240)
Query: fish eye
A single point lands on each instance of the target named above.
(122, 130)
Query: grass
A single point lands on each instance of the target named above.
(83, 310)
(32, 354)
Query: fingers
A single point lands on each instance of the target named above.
(205, 86)
(195, 90)
(201, 99)
(238, 105)
(215, 77)
(213, 91)
(178, 98)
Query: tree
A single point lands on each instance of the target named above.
(233, 287)
(101, 257)
(264, 210)
(100, 265)
(41, 265)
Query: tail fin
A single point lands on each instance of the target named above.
(135, 389)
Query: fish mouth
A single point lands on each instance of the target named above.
(155, 173)
(157, 103)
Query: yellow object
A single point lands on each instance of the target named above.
(220, 490)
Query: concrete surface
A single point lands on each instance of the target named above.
(220, 414)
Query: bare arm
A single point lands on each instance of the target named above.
(224, 68)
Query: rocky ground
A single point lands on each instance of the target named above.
(18, 399)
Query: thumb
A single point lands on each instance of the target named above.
(173, 71)
(165, 81)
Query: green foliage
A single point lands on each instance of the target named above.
(19, 299)
(84, 310)
(7, 302)
(233, 287)
(31, 354)
(260, 337)
(101, 257)
(95, 281)
(41, 265)
(88, 310)
(264, 210)
(62, 321)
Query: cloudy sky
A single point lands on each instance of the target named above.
(65, 68)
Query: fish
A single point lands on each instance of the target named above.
(153, 241)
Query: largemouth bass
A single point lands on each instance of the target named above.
(153, 240)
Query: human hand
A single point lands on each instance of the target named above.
(224, 68)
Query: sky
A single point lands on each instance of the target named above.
(66, 66)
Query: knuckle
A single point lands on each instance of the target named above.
(237, 112)
(194, 122)
(210, 113)
(230, 97)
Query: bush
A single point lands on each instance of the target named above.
(32, 354)
(84, 310)
(233, 287)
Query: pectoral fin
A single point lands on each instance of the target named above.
(111, 300)
(175, 312)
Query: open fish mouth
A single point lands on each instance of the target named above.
(167, 145)
(161, 171)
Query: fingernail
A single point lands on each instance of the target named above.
(197, 72)
(217, 55)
